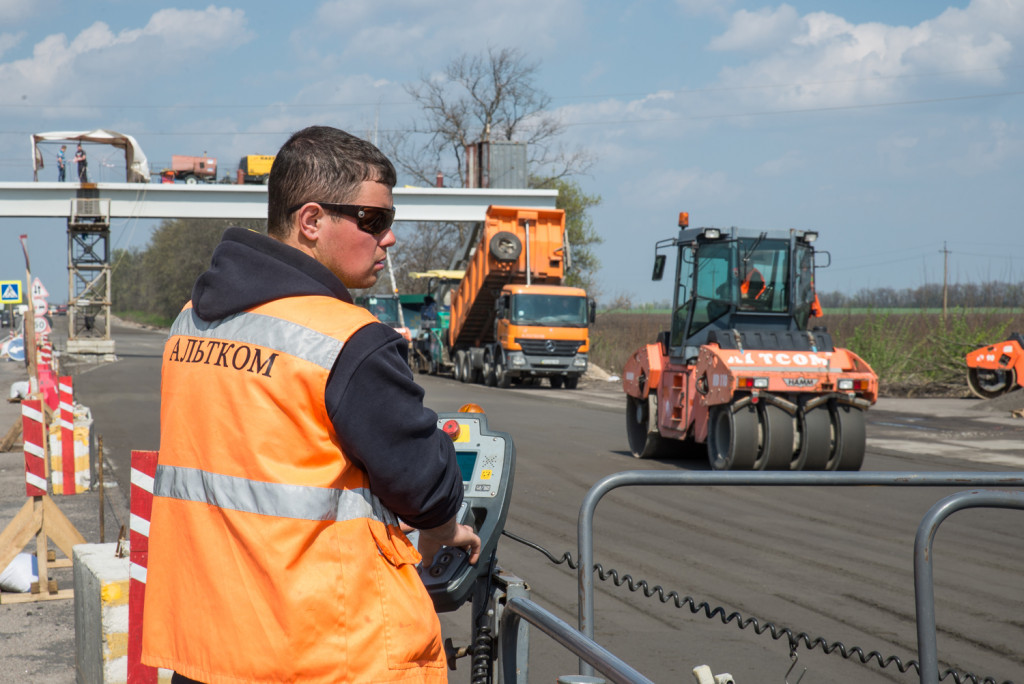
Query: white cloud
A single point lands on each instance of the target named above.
(9, 40)
(98, 60)
(668, 186)
(787, 163)
(415, 32)
(1000, 143)
(16, 10)
(821, 59)
(764, 28)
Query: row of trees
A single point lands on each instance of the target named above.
(157, 281)
(492, 96)
(962, 295)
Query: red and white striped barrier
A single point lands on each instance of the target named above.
(69, 443)
(44, 353)
(141, 508)
(32, 436)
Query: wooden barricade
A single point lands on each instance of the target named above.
(39, 517)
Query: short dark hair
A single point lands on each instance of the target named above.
(324, 164)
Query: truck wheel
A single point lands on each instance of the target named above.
(472, 373)
(556, 381)
(571, 381)
(814, 430)
(501, 377)
(505, 246)
(191, 180)
(776, 427)
(642, 428)
(989, 384)
(467, 369)
(488, 371)
(732, 437)
(459, 367)
(849, 438)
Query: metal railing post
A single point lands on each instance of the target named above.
(611, 666)
(924, 581)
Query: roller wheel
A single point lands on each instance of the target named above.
(989, 384)
(556, 381)
(501, 377)
(571, 381)
(732, 438)
(815, 433)
(849, 438)
(642, 428)
(776, 449)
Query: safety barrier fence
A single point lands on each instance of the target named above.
(143, 467)
(611, 666)
(927, 650)
(924, 584)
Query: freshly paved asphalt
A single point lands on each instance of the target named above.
(830, 562)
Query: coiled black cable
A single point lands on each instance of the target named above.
(483, 642)
(794, 639)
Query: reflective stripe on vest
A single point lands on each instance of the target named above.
(264, 331)
(253, 496)
(268, 498)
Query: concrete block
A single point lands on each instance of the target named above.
(101, 614)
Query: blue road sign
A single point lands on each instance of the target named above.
(16, 349)
(10, 292)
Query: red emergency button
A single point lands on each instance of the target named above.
(451, 428)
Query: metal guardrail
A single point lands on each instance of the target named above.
(924, 583)
(614, 668)
(585, 529)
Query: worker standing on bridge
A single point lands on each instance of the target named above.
(293, 441)
(62, 163)
(83, 164)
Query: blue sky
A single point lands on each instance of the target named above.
(892, 128)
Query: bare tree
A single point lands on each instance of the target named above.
(476, 98)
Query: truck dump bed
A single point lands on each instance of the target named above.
(500, 258)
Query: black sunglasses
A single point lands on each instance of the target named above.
(372, 220)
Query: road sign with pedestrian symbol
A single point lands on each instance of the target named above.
(10, 292)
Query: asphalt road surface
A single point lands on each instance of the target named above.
(834, 563)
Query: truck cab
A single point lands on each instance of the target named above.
(543, 331)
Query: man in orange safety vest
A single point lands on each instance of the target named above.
(295, 448)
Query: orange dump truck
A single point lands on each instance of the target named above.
(511, 318)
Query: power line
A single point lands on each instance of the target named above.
(804, 110)
(679, 91)
(618, 122)
(767, 86)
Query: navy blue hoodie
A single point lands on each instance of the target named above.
(376, 407)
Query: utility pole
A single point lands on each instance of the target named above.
(945, 280)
